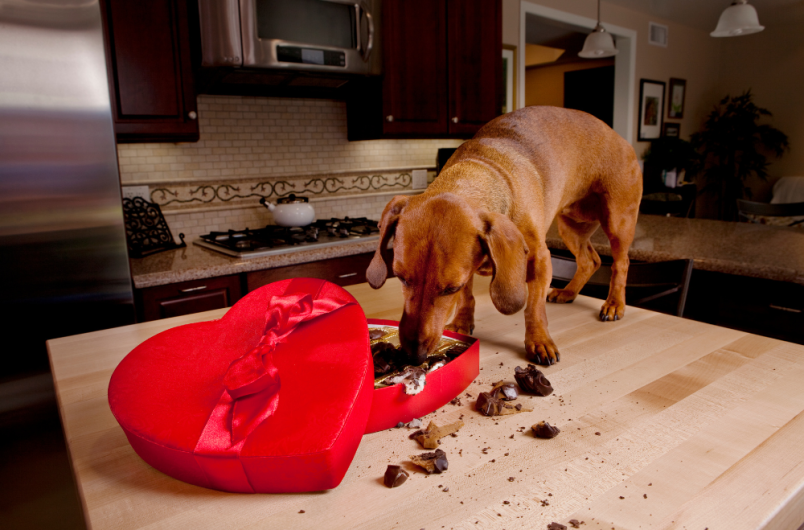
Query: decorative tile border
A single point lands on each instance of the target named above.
(195, 194)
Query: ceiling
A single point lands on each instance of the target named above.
(704, 14)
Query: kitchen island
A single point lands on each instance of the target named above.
(753, 250)
(665, 423)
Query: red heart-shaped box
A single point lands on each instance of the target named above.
(390, 404)
(163, 394)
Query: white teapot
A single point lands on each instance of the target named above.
(291, 210)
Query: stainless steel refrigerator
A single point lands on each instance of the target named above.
(63, 259)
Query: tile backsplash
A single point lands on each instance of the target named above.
(253, 147)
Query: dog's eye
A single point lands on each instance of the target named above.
(452, 290)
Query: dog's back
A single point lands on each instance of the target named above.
(545, 156)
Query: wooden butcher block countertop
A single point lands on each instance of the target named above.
(665, 423)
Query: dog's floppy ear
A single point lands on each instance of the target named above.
(508, 253)
(377, 270)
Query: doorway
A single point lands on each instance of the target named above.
(554, 37)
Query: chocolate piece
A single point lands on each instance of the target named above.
(490, 405)
(435, 462)
(430, 437)
(575, 523)
(531, 379)
(556, 526)
(381, 365)
(414, 379)
(395, 476)
(505, 390)
(545, 430)
(456, 350)
(376, 333)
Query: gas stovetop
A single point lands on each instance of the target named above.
(273, 240)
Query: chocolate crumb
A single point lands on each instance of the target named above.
(597, 434)
(575, 523)
(644, 495)
(622, 497)
(511, 479)
(301, 511)
(556, 526)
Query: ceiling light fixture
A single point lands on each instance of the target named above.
(740, 18)
(599, 43)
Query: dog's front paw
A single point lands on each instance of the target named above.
(612, 310)
(464, 328)
(543, 352)
(561, 296)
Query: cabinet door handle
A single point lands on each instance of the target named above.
(455, 119)
(347, 275)
(783, 308)
(191, 289)
(192, 115)
(389, 118)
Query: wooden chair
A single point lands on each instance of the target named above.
(646, 281)
(748, 209)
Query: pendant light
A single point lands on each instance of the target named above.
(740, 18)
(599, 43)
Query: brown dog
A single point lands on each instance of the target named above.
(488, 213)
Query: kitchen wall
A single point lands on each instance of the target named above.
(771, 63)
(691, 54)
(267, 147)
(544, 85)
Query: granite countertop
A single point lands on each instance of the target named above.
(743, 249)
(196, 263)
(760, 251)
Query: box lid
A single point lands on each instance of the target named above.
(258, 401)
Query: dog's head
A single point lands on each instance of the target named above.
(439, 243)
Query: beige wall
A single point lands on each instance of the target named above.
(771, 64)
(544, 85)
(691, 54)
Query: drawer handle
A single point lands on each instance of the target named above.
(347, 275)
(783, 308)
(191, 289)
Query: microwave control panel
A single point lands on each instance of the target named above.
(297, 54)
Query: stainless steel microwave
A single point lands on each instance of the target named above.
(335, 36)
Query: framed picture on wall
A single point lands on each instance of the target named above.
(509, 78)
(651, 109)
(675, 107)
(672, 130)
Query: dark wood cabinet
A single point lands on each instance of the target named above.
(194, 296)
(442, 62)
(148, 62)
(348, 270)
(184, 298)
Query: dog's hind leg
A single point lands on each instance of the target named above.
(464, 319)
(619, 227)
(576, 234)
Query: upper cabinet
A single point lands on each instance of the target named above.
(148, 60)
(442, 71)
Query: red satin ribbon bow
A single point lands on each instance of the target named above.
(252, 381)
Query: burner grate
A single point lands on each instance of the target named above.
(272, 236)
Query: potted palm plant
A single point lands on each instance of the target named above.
(733, 146)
